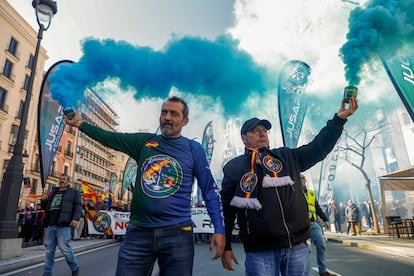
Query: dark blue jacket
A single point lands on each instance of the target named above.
(283, 220)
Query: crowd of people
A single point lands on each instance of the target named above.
(30, 221)
(341, 218)
(356, 216)
(31, 224)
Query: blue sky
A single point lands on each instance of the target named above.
(145, 22)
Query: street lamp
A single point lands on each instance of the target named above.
(13, 176)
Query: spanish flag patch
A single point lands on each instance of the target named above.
(152, 144)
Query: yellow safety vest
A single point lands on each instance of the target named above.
(311, 199)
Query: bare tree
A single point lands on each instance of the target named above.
(355, 148)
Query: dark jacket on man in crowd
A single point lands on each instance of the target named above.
(70, 209)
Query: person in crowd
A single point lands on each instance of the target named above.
(108, 201)
(27, 219)
(100, 204)
(19, 219)
(262, 188)
(160, 224)
(317, 236)
(124, 207)
(63, 210)
(78, 230)
(335, 216)
(367, 214)
(353, 218)
(342, 208)
(38, 224)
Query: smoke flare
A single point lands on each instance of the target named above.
(381, 28)
(199, 66)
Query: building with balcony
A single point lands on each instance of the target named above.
(17, 46)
(94, 163)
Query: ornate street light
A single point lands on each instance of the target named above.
(13, 176)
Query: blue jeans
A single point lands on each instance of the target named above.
(173, 246)
(58, 236)
(285, 262)
(319, 241)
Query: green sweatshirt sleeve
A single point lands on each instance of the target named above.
(129, 143)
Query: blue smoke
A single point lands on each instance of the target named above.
(381, 28)
(194, 65)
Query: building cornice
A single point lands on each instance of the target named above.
(20, 25)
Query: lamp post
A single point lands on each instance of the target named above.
(13, 176)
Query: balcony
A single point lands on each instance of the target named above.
(4, 108)
(8, 79)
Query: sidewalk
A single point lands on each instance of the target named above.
(36, 254)
(402, 247)
(380, 243)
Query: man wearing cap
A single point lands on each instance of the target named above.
(262, 188)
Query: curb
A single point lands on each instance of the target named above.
(396, 250)
(25, 261)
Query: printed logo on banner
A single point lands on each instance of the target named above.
(102, 222)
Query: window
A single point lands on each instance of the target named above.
(3, 94)
(13, 134)
(66, 170)
(37, 163)
(7, 70)
(31, 61)
(53, 168)
(20, 112)
(34, 186)
(13, 46)
(26, 82)
(68, 148)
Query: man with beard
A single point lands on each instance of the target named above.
(160, 225)
(63, 210)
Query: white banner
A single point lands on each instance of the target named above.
(114, 223)
(201, 221)
(107, 222)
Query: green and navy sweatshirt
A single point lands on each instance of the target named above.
(165, 176)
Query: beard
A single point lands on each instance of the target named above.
(167, 130)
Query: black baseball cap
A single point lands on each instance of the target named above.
(252, 123)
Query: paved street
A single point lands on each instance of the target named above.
(345, 254)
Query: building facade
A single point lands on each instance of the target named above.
(77, 155)
(17, 46)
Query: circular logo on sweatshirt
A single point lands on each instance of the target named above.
(272, 164)
(162, 176)
(248, 182)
